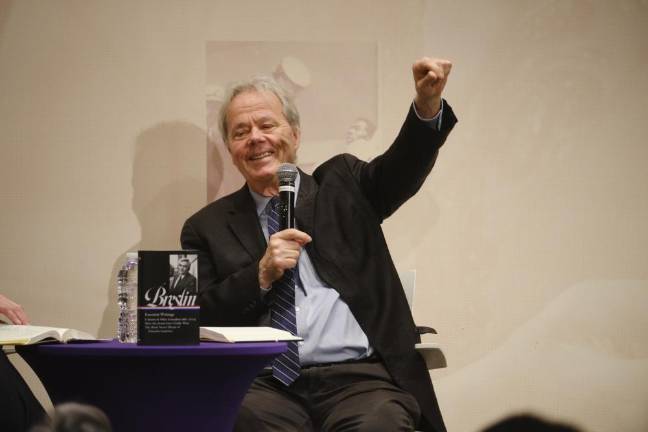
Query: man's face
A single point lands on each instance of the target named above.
(259, 137)
(183, 268)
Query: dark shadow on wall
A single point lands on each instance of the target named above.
(218, 183)
(168, 187)
(5, 11)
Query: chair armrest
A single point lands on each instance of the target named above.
(432, 354)
(424, 330)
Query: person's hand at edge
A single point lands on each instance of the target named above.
(13, 311)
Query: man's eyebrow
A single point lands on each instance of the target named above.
(240, 125)
(265, 118)
(260, 119)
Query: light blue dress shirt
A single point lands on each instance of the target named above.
(325, 322)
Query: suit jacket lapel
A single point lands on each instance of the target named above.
(305, 209)
(244, 222)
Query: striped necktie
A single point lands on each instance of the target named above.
(285, 367)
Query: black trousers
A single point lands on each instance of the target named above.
(19, 409)
(336, 397)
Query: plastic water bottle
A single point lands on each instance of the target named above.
(122, 306)
(127, 299)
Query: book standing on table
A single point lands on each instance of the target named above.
(167, 312)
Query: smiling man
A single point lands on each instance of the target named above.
(356, 368)
(260, 137)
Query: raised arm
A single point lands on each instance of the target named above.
(396, 175)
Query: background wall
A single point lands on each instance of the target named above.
(529, 238)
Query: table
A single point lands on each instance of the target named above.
(153, 388)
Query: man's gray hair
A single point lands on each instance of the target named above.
(258, 84)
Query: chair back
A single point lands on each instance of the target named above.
(408, 279)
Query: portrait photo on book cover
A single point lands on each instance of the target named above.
(183, 274)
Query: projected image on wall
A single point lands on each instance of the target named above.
(333, 84)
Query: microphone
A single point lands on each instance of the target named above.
(287, 173)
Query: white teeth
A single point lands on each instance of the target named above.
(260, 155)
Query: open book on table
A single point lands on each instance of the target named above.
(27, 334)
(246, 334)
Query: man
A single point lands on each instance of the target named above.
(358, 369)
(19, 409)
(183, 281)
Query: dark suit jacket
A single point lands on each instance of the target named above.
(188, 283)
(341, 207)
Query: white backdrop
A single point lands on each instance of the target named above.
(529, 238)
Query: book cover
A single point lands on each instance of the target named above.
(167, 312)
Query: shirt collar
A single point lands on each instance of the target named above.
(261, 201)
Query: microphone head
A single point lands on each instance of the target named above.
(287, 173)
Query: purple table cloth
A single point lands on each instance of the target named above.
(153, 388)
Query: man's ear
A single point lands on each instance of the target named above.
(297, 134)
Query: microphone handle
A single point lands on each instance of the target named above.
(287, 197)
